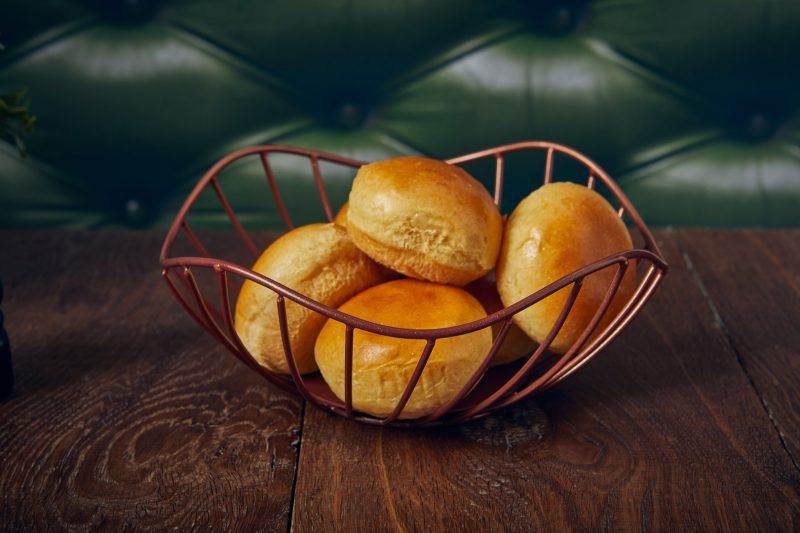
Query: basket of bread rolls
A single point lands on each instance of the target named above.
(418, 302)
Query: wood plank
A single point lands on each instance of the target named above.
(125, 414)
(753, 279)
(663, 431)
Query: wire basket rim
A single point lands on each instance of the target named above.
(653, 255)
(577, 356)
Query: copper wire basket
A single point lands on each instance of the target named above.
(489, 388)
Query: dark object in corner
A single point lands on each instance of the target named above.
(6, 371)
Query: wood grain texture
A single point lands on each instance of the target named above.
(125, 414)
(753, 278)
(662, 432)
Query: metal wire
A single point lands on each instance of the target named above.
(488, 389)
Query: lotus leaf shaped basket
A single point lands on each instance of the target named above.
(489, 388)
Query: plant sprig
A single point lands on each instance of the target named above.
(15, 120)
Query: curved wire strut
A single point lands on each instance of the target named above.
(488, 388)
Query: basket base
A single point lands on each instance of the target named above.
(494, 378)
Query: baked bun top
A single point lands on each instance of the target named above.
(559, 228)
(431, 220)
(409, 303)
(383, 365)
(317, 260)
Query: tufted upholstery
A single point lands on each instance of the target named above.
(694, 106)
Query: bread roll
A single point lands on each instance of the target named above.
(516, 343)
(317, 260)
(556, 230)
(341, 216)
(425, 219)
(382, 366)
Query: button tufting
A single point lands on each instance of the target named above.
(128, 11)
(551, 18)
(561, 20)
(759, 126)
(135, 213)
(529, 69)
(350, 115)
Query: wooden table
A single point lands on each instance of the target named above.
(125, 414)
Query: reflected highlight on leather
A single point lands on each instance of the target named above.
(691, 106)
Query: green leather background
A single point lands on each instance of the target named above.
(691, 105)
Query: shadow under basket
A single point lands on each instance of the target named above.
(206, 285)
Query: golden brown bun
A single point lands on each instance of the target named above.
(317, 260)
(556, 230)
(425, 219)
(341, 216)
(382, 366)
(516, 343)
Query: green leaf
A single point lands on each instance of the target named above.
(15, 121)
